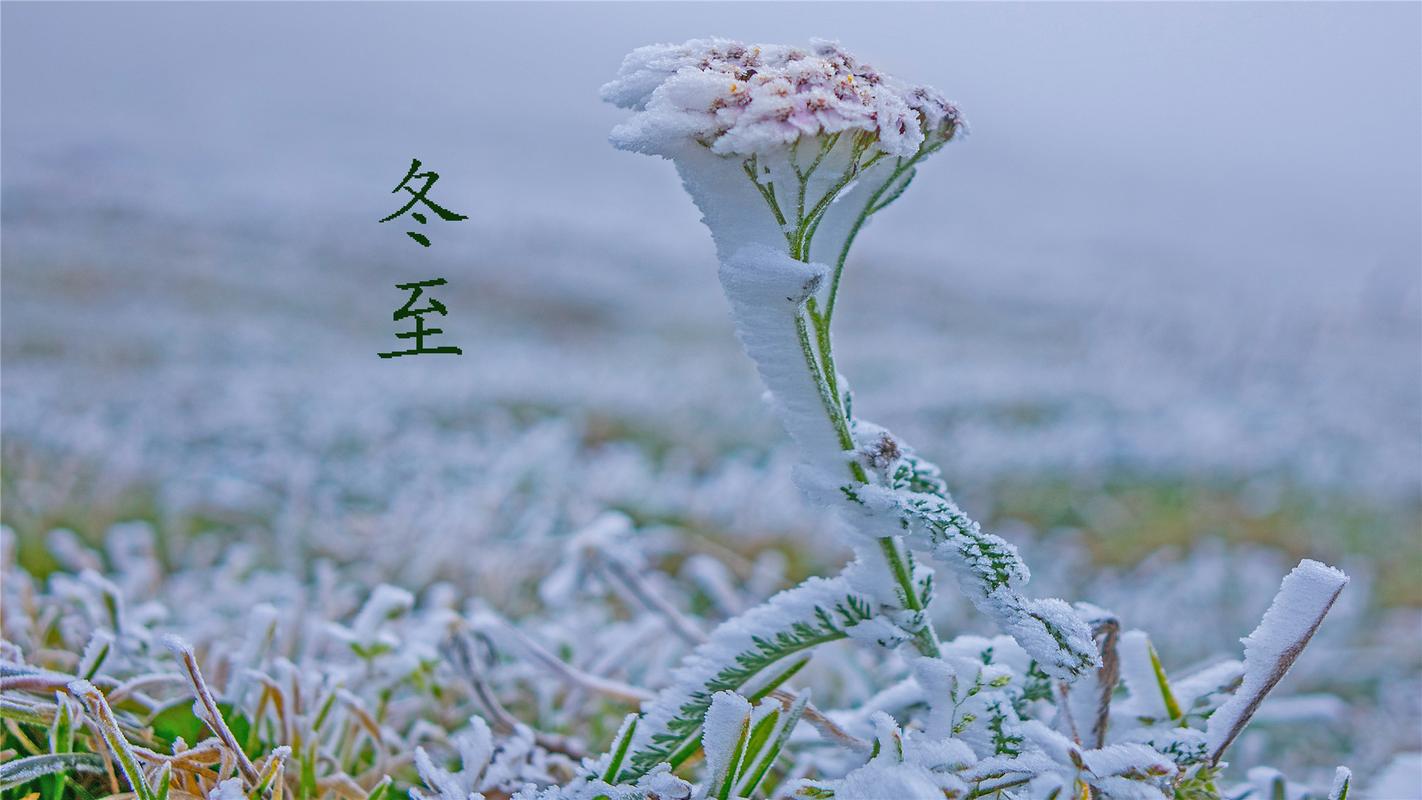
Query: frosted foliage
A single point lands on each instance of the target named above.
(817, 611)
(766, 290)
(982, 714)
(1342, 779)
(1126, 771)
(230, 789)
(910, 499)
(1298, 609)
(725, 724)
(906, 765)
(485, 647)
(475, 747)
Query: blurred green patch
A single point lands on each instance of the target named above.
(1125, 519)
(1122, 518)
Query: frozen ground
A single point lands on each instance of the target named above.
(1189, 262)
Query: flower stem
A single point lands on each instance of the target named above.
(819, 355)
(833, 409)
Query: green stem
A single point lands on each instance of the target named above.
(983, 791)
(767, 191)
(821, 367)
(833, 409)
(925, 639)
(822, 341)
(810, 222)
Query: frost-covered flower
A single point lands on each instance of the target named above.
(779, 145)
(749, 99)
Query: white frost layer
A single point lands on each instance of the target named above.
(1304, 598)
(725, 721)
(736, 636)
(987, 567)
(766, 289)
(1342, 780)
(741, 99)
(737, 215)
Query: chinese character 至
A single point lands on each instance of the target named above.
(408, 310)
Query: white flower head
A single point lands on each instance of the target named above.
(783, 146)
(749, 99)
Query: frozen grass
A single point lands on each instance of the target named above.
(517, 467)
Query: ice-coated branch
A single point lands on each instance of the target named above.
(1298, 609)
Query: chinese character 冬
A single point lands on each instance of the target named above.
(418, 196)
(420, 332)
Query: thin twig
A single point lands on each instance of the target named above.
(569, 673)
(822, 723)
(1108, 631)
(649, 598)
(458, 649)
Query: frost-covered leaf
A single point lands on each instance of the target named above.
(904, 765)
(1127, 771)
(23, 770)
(988, 569)
(1342, 780)
(1298, 609)
(818, 611)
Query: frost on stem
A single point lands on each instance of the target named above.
(908, 498)
(1119, 771)
(767, 291)
(1298, 609)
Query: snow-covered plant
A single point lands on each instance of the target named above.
(788, 153)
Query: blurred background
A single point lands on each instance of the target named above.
(1158, 316)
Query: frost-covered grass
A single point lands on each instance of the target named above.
(436, 592)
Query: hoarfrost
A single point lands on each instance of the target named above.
(726, 722)
(767, 289)
(740, 99)
(1298, 609)
(817, 610)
